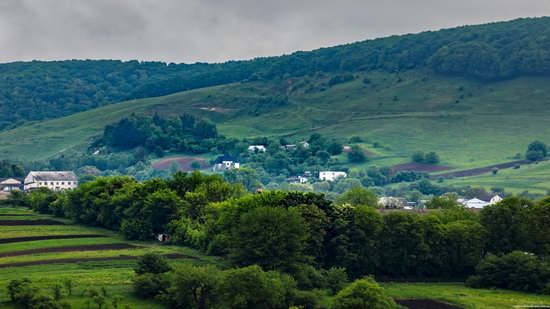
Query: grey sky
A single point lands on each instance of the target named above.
(218, 30)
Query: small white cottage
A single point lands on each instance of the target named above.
(257, 148)
(331, 175)
(225, 162)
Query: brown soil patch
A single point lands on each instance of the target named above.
(483, 170)
(183, 163)
(98, 247)
(98, 259)
(418, 167)
(30, 222)
(425, 304)
(33, 238)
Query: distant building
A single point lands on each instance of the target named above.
(10, 184)
(304, 145)
(58, 181)
(495, 199)
(475, 203)
(331, 176)
(225, 162)
(298, 179)
(257, 148)
(392, 202)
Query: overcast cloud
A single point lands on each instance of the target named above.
(213, 31)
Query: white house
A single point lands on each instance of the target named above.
(10, 184)
(225, 162)
(298, 179)
(331, 176)
(392, 202)
(58, 181)
(257, 148)
(475, 203)
(304, 145)
(495, 199)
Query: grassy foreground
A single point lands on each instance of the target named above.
(116, 275)
(113, 275)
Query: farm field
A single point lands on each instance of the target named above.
(532, 177)
(458, 294)
(90, 257)
(181, 163)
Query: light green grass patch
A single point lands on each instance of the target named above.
(461, 295)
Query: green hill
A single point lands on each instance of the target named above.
(477, 95)
(468, 123)
(35, 91)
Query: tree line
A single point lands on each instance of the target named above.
(302, 234)
(183, 133)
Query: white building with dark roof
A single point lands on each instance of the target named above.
(225, 162)
(10, 184)
(58, 181)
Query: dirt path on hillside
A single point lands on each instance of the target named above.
(418, 167)
(97, 259)
(483, 170)
(77, 248)
(33, 238)
(30, 222)
(425, 304)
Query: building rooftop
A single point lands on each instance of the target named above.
(54, 176)
(225, 158)
(10, 181)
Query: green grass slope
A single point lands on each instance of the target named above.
(469, 123)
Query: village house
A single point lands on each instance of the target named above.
(392, 202)
(304, 145)
(57, 181)
(475, 203)
(225, 162)
(298, 179)
(495, 199)
(257, 148)
(478, 203)
(331, 175)
(10, 184)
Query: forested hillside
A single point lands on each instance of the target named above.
(45, 90)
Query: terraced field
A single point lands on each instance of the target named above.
(90, 257)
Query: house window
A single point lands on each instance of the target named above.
(62, 182)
